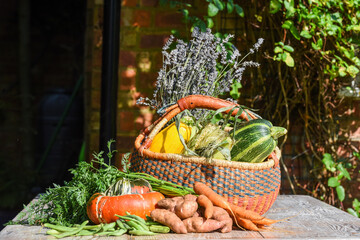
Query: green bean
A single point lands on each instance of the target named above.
(136, 217)
(127, 226)
(108, 226)
(136, 226)
(85, 232)
(59, 227)
(103, 233)
(120, 224)
(142, 233)
(73, 232)
(92, 227)
(150, 222)
(52, 232)
(159, 229)
(118, 232)
(143, 225)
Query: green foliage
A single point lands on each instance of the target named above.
(328, 28)
(339, 175)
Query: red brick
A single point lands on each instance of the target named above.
(97, 57)
(127, 58)
(129, 3)
(127, 80)
(126, 18)
(153, 41)
(150, 3)
(142, 18)
(125, 142)
(147, 81)
(96, 99)
(126, 121)
(169, 19)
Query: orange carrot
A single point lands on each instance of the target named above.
(265, 221)
(244, 213)
(247, 224)
(207, 205)
(216, 199)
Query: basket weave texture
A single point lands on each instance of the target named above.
(254, 186)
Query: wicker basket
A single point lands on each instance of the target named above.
(254, 186)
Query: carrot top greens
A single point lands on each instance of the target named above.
(66, 205)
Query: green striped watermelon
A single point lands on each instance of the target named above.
(255, 140)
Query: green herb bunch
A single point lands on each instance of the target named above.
(66, 205)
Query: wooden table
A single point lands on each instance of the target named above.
(307, 218)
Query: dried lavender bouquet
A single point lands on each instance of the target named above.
(206, 65)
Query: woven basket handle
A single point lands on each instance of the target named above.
(188, 102)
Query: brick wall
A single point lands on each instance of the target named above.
(145, 27)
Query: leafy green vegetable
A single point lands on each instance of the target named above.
(66, 205)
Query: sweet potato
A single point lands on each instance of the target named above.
(169, 203)
(223, 216)
(208, 206)
(187, 208)
(169, 219)
(202, 225)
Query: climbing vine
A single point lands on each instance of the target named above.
(310, 53)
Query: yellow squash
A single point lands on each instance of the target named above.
(168, 140)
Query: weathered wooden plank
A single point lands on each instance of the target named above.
(310, 218)
(304, 217)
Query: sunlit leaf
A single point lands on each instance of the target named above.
(230, 6)
(352, 212)
(288, 48)
(289, 60)
(352, 70)
(239, 10)
(209, 22)
(340, 192)
(343, 170)
(333, 182)
(287, 24)
(212, 10)
(275, 6)
(305, 34)
(278, 49)
(219, 4)
(295, 32)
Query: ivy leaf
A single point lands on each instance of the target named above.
(342, 71)
(289, 60)
(352, 70)
(295, 32)
(333, 182)
(219, 4)
(340, 192)
(329, 162)
(230, 6)
(356, 204)
(275, 6)
(343, 170)
(239, 10)
(212, 10)
(288, 48)
(278, 49)
(287, 24)
(352, 212)
(209, 22)
(305, 34)
(315, 46)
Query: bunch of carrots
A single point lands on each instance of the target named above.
(244, 219)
